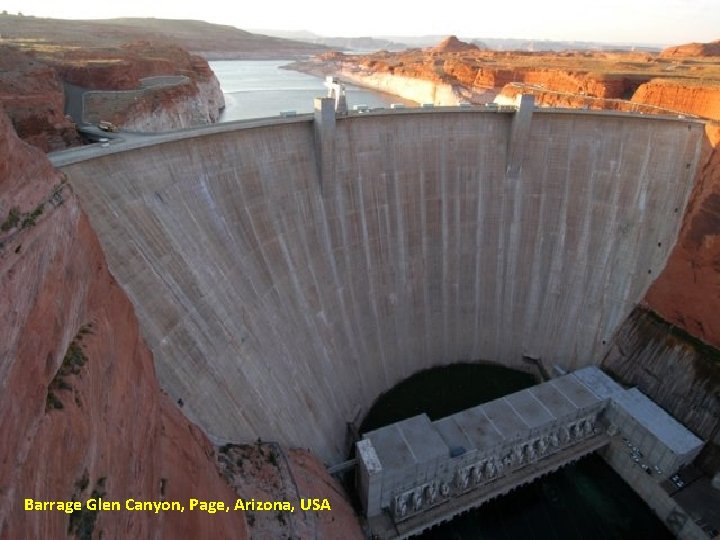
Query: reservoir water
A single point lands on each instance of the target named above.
(584, 500)
(259, 89)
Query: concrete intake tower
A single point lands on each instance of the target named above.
(286, 272)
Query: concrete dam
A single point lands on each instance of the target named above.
(286, 272)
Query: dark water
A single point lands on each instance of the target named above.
(585, 500)
(443, 391)
(260, 88)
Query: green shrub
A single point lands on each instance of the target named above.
(30, 218)
(12, 220)
(82, 522)
(73, 360)
(52, 402)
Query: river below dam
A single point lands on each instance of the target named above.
(584, 500)
(262, 88)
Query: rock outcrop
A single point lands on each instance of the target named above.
(139, 86)
(184, 91)
(266, 472)
(408, 88)
(312, 480)
(453, 44)
(478, 75)
(81, 412)
(680, 373)
(688, 97)
(158, 108)
(693, 50)
(32, 95)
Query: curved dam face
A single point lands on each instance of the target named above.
(276, 303)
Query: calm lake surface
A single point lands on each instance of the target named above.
(258, 89)
(585, 500)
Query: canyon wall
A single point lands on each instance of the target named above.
(567, 100)
(80, 408)
(268, 472)
(463, 82)
(32, 95)
(693, 50)
(81, 411)
(36, 87)
(418, 90)
(681, 373)
(299, 303)
(138, 91)
(687, 293)
(656, 96)
(690, 98)
(590, 84)
(158, 108)
(477, 76)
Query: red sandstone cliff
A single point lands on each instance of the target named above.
(267, 472)
(693, 49)
(687, 97)
(477, 75)
(310, 477)
(81, 412)
(80, 408)
(119, 71)
(32, 95)
(453, 44)
(687, 293)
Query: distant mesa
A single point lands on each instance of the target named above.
(453, 44)
(212, 41)
(693, 49)
(332, 56)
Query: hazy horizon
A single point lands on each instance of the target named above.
(411, 38)
(614, 21)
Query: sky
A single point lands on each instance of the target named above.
(619, 21)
